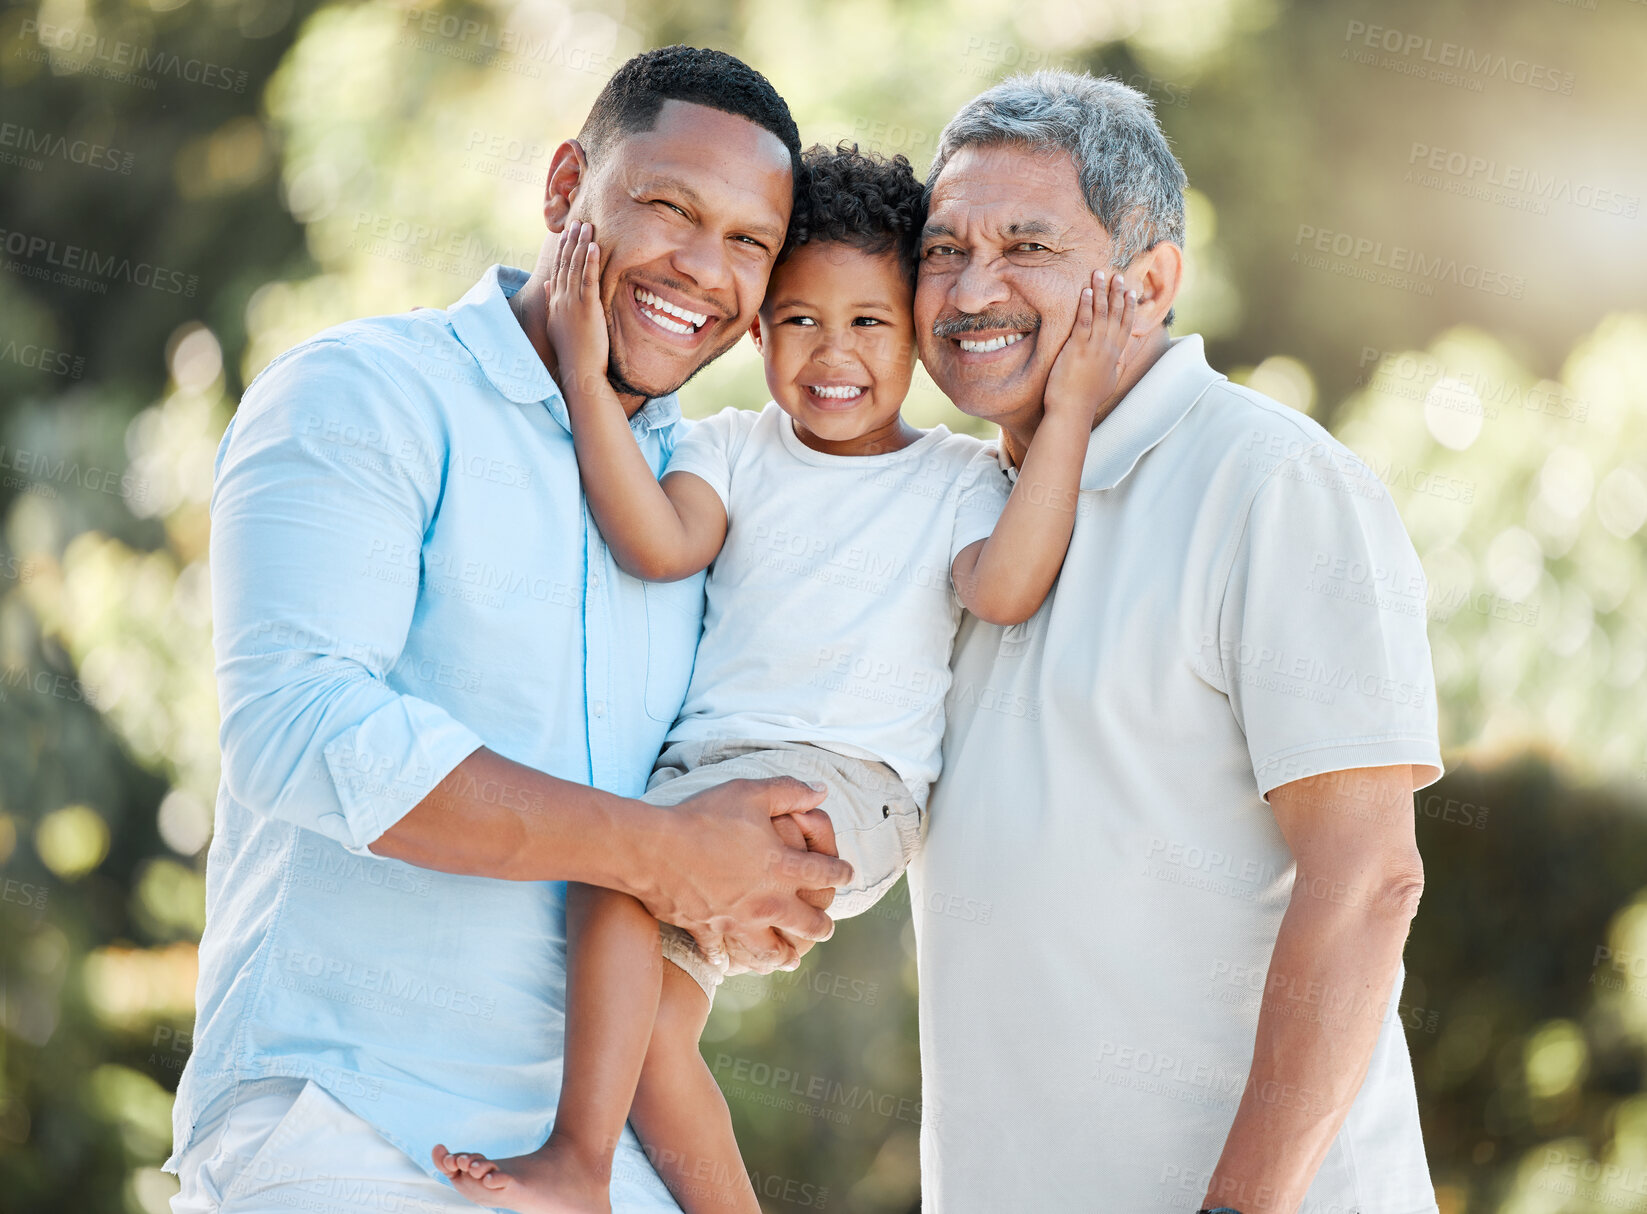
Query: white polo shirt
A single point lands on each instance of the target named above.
(1102, 881)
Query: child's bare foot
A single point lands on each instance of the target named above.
(551, 1180)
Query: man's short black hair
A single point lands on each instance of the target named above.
(860, 199)
(636, 92)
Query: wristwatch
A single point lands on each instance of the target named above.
(1220, 1210)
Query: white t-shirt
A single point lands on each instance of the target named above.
(829, 612)
(1101, 883)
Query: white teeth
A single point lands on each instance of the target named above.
(674, 326)
(846, 393)
(994, 343)
(653, 302)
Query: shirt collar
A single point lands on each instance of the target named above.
(483, 321)
(1145, 415)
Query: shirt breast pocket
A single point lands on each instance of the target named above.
(674, 618)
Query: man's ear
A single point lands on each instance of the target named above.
(1156, 274)
(568, 174)
(755, 333)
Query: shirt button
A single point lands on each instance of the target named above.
(600, 708)
(594, 578)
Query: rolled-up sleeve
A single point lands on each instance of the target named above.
(326, 483)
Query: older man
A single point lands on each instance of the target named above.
(1171, 862)
(440, 694)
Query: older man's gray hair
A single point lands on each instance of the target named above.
(1132, 181)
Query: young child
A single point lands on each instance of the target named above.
(842, 543)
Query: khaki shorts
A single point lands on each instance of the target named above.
(877, 823)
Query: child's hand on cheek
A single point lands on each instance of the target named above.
(577, 324)
(1089, 367)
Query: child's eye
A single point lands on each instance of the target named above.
(799, 320)
(867, 320)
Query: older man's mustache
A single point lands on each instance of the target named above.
(958, 323)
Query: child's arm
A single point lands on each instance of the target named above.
(1003, 579)
(658, 532)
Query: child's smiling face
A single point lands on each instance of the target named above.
(838, 338)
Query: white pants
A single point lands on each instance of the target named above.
(287, 1145)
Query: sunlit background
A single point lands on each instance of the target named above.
(1419, 222)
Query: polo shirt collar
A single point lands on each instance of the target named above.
(1145, 416)
(483, 321)
(1148, 413)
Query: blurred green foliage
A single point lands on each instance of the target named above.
(246, 172)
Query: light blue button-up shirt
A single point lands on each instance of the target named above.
(404, 569)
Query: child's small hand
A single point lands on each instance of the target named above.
(791, 835)
(577, 324)
(1090, 364)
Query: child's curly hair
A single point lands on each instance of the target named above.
(860, 199)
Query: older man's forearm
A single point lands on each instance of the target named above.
(1326, 995)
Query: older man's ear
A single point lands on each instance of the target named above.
(1156, 274)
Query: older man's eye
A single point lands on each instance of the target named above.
(942, 250)
(1029, 246)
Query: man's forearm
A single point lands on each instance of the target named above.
(492, 817)
(714, 864)
(1325, 999)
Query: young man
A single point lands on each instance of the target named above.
(440, 694)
